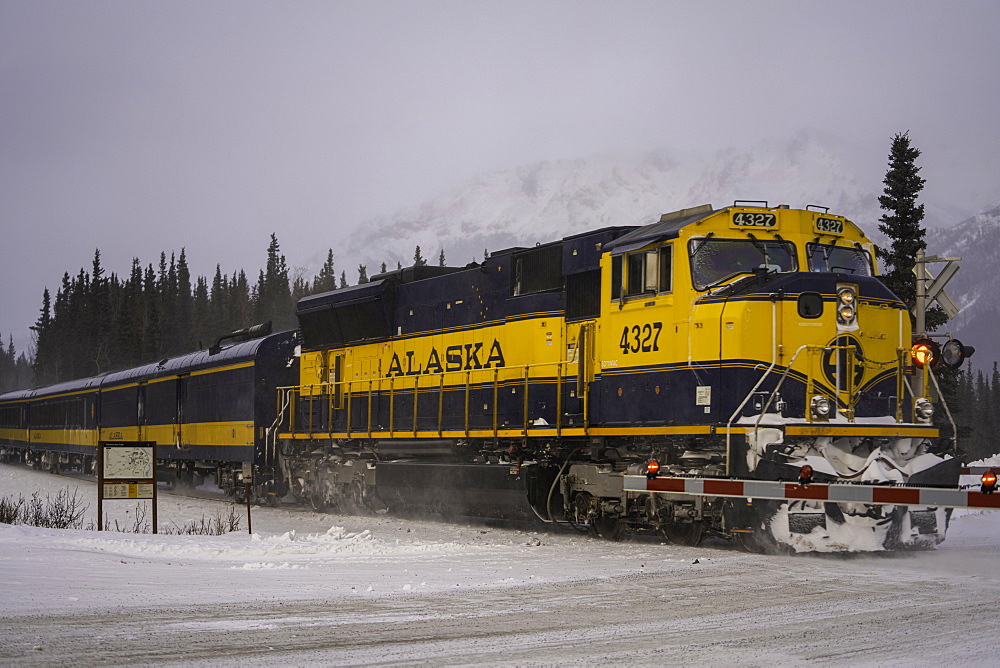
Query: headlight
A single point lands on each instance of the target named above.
(846, 311)
(820, 406)
(923, 409)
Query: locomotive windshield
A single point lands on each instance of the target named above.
(839, 259)
(716, 260)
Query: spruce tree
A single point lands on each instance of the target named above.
(326, 279)
(201, 335)
(418, 259)
(150, 316)
(44, 351)
(902, 224)
(186, 340)
(362, 274)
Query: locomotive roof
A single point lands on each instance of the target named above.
(668, 227)
(344, 296)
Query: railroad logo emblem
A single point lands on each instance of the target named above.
(846, 361)
(456, 358)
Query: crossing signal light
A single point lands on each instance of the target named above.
(954, 353)
(805, 475)
(925, 352)
(989, 481)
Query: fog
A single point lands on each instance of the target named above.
(141, 127)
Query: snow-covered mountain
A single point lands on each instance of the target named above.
(976, 287)
(547, 200)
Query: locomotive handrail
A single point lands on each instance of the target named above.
(767, 372)
(947, 411)
(315, 393)
(810, 389)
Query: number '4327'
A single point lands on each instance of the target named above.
(641, 338)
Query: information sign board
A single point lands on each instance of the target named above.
(125, 470)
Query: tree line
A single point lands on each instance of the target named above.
(99, 322)
(976, 409)
(15, 368)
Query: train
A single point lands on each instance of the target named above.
(749, 341)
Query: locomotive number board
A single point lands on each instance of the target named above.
(766, 221)
(828, 226)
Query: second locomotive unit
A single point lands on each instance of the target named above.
(746, 341)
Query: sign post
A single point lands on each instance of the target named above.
(125, 470)
(926, 294)
(248, 490)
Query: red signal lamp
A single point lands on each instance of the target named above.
(925, 352)
(652, 469)
(989, 481)
(805, 475)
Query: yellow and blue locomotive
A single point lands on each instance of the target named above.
(748, 341)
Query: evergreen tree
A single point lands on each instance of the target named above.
(273, 294)
(441, 258)
(166, 288)
(97, 316)
(418, 259)
(383, 268)
(150, 316)
(44, 364)
(200, 318)
(902, 224)
(240, 304)
(343, 279)
(326, 279)
(218, 306)
(362, 274)
(127, 324)
(184, 307)
(300, 289)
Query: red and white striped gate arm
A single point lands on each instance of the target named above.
(832, 492)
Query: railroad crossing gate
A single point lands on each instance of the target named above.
(806, 490)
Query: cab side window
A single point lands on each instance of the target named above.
(646, 272)
(666, 268)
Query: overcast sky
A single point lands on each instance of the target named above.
(138, 127)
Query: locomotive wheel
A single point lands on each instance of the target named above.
(318, 502)
(680, 533)
(762, 541)
(608, 528)
(356, 498)
(748, 543)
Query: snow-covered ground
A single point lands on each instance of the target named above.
(315, 589)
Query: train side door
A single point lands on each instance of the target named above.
(140, 408)
(580, 355)
(182, 381)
